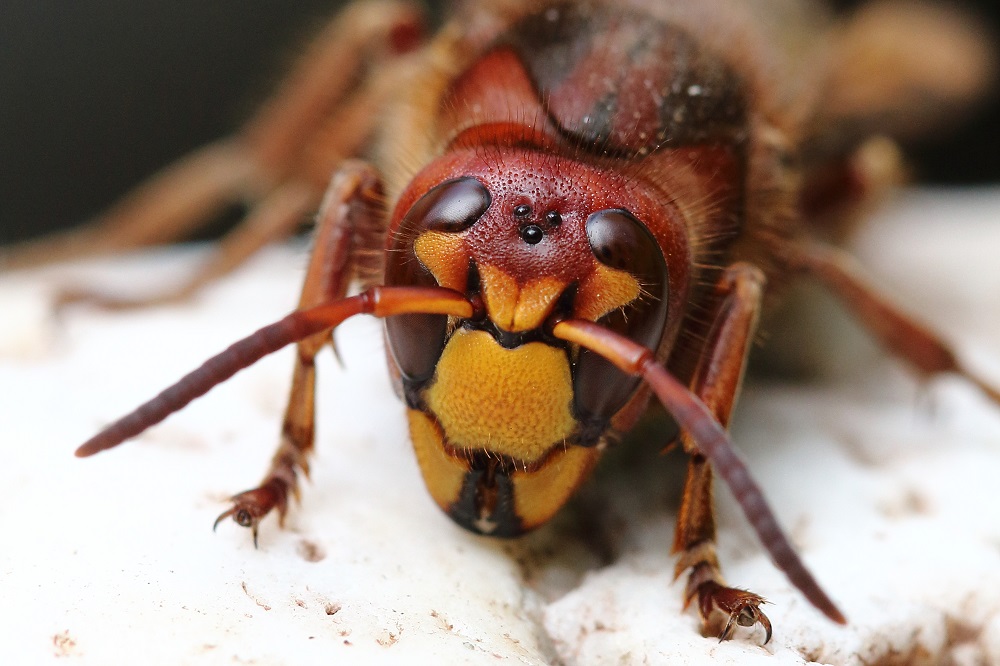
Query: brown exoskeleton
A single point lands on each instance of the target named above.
(566, 208)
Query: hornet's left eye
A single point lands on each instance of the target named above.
(621, 242)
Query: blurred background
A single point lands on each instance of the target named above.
(95, 95)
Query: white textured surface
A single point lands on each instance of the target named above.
(111, 560)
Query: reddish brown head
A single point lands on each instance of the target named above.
(533, 237)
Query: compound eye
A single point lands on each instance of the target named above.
(621, 242)
(416, 340)
(452, 206)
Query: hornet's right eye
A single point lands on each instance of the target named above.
(453, 206)
(416, 340)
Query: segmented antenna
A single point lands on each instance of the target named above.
(713, 442)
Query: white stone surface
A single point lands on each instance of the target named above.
(889, 492)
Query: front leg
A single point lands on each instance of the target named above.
(702, 419)
(717, 382)
(350, 209)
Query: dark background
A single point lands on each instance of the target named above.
(95, 95)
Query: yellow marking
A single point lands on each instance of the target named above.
(514, 307)
(515, 402)
(604, 290)
(443, 473)
(539, 494)
(445, 256)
